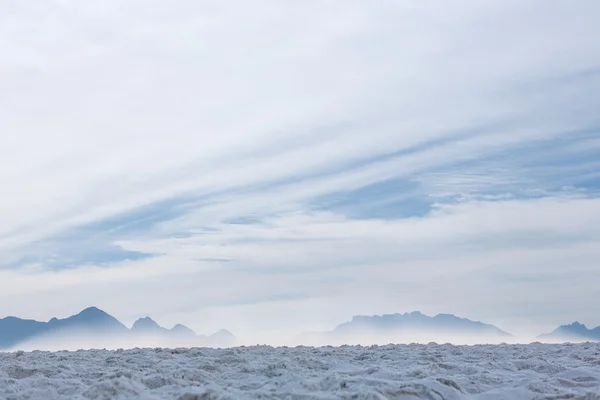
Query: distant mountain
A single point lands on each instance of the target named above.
(182, 331)
(92, 319)
(15, 330)
(416, 321)
(147, 326)
(398, 328)
(222, 338)
(95, 323)
(574, 332)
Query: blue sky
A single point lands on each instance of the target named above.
(219, 165)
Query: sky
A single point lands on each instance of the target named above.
(272, 167)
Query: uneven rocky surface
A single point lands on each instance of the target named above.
(434, 372)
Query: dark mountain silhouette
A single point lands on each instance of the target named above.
(574, 332)
(416, 321)
(91, 318)
(147, 326)
(14, 330)
(93, 322)
(397, 328)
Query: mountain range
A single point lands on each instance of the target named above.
(574, 332)
(416, 326)
(407, 327)
(416, 321)
(93, 323)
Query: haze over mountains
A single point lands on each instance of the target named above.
(418, 327)
(94, 328)
(410, 327)
(420, 322)
(575, 332)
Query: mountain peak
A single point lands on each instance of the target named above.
(92, 311)
(145, 324)
(574, 328)
(223, 332)
(182, 330)
(146, 320)
(223, 338)
(574, 331)
(88, 315)
(447, 316)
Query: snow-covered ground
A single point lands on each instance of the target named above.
(534, 371)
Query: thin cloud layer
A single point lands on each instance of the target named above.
(222, 164)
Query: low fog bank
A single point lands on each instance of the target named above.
(85, 340)
(88, 342)
(92, 328)
(562, 340)
(381, 339)
(420, 337)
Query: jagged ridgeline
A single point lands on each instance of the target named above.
(575, 332)
(95, 324)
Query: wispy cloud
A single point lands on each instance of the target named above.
(339, 158)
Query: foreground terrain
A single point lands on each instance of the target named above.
(535, 371)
